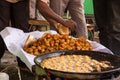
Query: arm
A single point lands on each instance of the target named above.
(47, 12)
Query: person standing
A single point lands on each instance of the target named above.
(16, 13)
(76, 10)
(51, 16)
(107, 16)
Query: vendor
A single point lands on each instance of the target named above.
(51, 16)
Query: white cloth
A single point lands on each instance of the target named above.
(15, 39)
(4, 76)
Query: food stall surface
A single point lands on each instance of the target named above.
(9, 65)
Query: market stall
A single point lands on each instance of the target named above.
(15, 40)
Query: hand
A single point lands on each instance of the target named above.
(70, 24)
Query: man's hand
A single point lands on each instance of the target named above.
(70, 24)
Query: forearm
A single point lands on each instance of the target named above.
(47, 12)
(51, 21)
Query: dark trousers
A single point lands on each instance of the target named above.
(15, 15)
(107, 16)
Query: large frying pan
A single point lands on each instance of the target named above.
(101, 56)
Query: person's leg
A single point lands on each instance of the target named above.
(100, 13)
(4, 21)
(107, 16)
(114, 26)
(20, 15)
(19, 19)
(76, 10)
(2, 47)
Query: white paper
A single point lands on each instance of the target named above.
(15, 39)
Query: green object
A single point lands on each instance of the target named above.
(88, 7)
(41, 74)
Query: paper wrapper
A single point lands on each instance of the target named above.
(15, 40)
